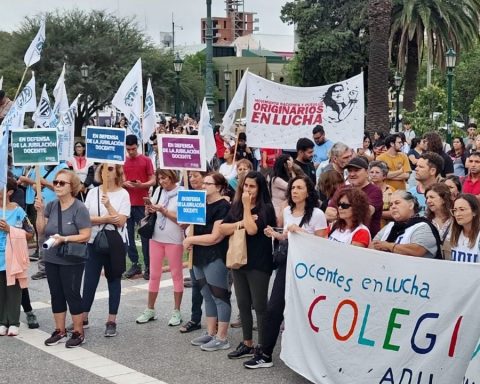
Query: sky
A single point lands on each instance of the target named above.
(153, 16)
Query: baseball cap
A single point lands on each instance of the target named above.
(357, 162)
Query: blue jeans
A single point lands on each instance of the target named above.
(93, 270)
(137, 213)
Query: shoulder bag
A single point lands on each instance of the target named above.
(75, 251)
(237, 249)
(100, 243)
(147, 224)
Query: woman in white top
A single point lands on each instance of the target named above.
(167, 241)
(465, 237)
(353, 212)
(228, 168)
(301, 215)
(80, 164)
(108, 210)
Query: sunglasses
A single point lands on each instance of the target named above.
(59, 183)
(344, 205)
(110, 168)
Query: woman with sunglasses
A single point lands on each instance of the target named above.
(108, 210)
(64, 273)
(408, 234)
(301, 215)
(353, 212)
(209, 248)
(465, 237)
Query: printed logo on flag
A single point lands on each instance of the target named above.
(131, 95)
(45, 110)
(24, 97)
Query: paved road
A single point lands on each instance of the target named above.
(149, 353)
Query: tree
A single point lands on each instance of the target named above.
(378, 68)
(445, 24)
(467, 82)
(332, 39)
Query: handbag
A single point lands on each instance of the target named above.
(100, 243)
(147, 224)
(280, 252)
(76, 251)
(237, 249)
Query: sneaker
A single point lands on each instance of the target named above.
(189, 327)
(39, 276)
(134, 270)
(13, 330)
(146, 274)
(237, 323)
(241, 352)
(3, 330)
(75, 341)
(57, 337)
(34, 256)
(110, 329)
(31, 320)
(85, 326)
(260, 360)
(204, 339)
(176, 318)
(147, 315)
(215, 345)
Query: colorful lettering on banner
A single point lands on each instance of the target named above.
(361, 316)
(278, 115)
(182, 152)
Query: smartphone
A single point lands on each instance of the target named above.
(147, 201)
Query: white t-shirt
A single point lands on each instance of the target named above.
(317, 222)
(120, 201)
(172, 233)
(463, 253)
(229, 171)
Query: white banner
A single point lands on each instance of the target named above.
(66, 131)
(361, 316)
(35, 49)
(128, 99)
(149, 123)
(205, 130)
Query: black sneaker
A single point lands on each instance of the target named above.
(134, 270)
(260, 360)
(39, 276)
(34, 256)
(110, 329)
(32, 320)
(75, 341)
(241, 352)
(146, 274)
(57, 337)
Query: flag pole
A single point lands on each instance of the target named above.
(4, 202)
(21, 83)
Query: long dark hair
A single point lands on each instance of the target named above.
(444, 193)
(311, 201)
(328, 100)
(462, 144)
(263, 203)
(457, 228)
(280, 168)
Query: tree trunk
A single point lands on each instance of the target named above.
(411, 72)
(379, 19)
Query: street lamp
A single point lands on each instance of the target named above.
(226, 76)
(177, 66)
(398, 86)
(84, 73)
(209, 60)
(450, 59)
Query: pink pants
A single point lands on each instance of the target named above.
(174, 254)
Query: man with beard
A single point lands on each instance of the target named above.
(304, 158)
(322, 145)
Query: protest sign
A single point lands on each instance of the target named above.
(34, 146)
(356, 315)
(192, 207)
(105, 145)
(182, 152)
(278, 115)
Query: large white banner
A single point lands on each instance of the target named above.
(361, 316)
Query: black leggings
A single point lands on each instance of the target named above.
(26, 304)
(64, 282)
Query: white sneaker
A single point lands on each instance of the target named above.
(13, 330)
(3, 330)
(176, 318)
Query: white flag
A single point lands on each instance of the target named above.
(128, 99)
(35, 49)
(1, 83)
(66, 131)
(43, 116)
(61, 100)
(237, 103)
(25, 102)
(205, 129)
(149, 113)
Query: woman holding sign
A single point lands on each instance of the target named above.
(209, 249)
(167, 241)
(109, 208)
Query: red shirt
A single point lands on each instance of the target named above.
(140, 168)
(220, 144)
(272, 155)
(470, 186)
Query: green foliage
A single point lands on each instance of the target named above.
(475, 109)
(332, 39)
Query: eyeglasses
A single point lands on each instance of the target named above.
(60, 183)
(206, 183)
(344, 205)
(111, 168)
(459, 210)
